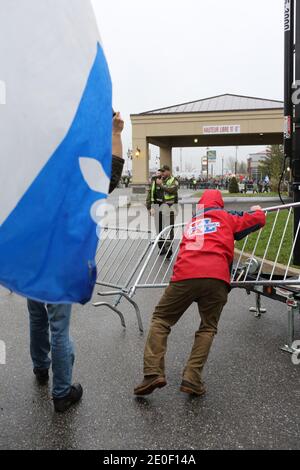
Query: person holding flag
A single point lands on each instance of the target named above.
(57, 317)
(56, 162)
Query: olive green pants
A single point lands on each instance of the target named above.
(211, 296)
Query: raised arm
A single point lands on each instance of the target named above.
(245, 223)
(117, 152)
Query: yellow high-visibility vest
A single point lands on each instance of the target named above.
(170, 197)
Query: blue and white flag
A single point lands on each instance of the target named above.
(55, 147)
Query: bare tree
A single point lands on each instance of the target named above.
(231, 164)
(242, 168)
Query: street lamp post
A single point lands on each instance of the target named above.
(181, 169)
(129, 157)
(236, 160)
(207, 163)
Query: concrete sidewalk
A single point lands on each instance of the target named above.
(123, 198)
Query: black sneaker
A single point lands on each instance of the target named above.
(42, 375)
(74, 396)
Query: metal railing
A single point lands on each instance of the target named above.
(133, 259)
(119, 257)
(158, 266)
(265, 258)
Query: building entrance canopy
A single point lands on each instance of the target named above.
(226, 120)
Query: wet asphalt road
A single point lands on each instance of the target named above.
(253, 399)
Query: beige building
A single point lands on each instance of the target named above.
(254, 164)
(226, 120)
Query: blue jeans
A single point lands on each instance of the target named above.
(57, 317)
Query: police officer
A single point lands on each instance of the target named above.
(155, 199)
(155, 194)
(169, 185)
(164, 195)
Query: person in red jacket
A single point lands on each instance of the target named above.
(201, 274)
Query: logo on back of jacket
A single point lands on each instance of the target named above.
(201, 227)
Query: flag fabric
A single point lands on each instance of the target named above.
(55, 147)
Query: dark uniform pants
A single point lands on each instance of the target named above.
(164, 217)
(211, 296)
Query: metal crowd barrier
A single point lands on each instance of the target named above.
(157, 269)
(252, 265)
(277, 279)
(117, 249)
(252, 271)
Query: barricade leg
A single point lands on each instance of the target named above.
(114, 309)
(291, 330)
(117, 311)
(258, 310)
(137, 312)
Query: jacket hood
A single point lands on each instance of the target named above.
(212, 198)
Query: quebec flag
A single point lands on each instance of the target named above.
(55, 147)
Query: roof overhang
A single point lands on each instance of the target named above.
(256, 127)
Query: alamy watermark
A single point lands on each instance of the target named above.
(296, 353)
(296, 94)
(2, 92)
(2, 353)
(136, 222)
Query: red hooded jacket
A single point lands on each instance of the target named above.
(207, 247)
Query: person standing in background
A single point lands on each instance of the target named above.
(169, 185)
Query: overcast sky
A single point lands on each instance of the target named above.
(165, 52)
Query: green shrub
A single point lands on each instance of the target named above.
(233, 186)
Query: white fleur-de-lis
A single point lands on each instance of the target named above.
(94, 175)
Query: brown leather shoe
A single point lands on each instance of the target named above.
(149, 384)
(187, 387)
